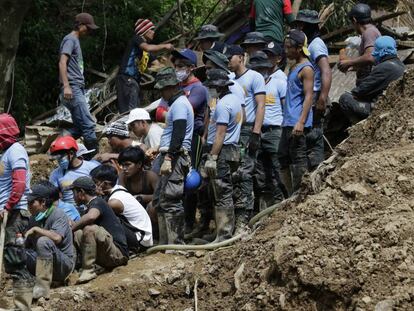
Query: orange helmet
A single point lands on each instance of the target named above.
(64, 143)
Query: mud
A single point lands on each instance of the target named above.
(345, 244)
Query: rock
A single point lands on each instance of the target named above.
(282, 300)
(199, 254)
(385, 305)
(366, 299)
(153, 292)
(174, 277)
(38, 308)
(355, 188)
(140, 306)
(359, 248)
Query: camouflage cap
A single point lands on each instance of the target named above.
(308, 16)
(207, 32)
(218, 77)
(259, 60)
(166, 77)
(217, 58)
(254, 37)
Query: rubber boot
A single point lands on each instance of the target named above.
(242, 220)
(88, 263)
(44, 274)
(286, 178)
(23, 294)
(91, 144)
(175, 228)
(162, 229)
(266, 200)
(224, 224)
(297, 173)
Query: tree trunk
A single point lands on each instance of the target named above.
(12, 13)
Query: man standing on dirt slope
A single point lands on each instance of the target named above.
(64, 150)
(14, 188)
(175, 149)
(360, 16)
(358, 104)
(135, 61)
(297, 111)
(267, 16)
(49, 240)
(133, 216)
(99, 235)
(224, 154)
(73, 82)
(208, 37)
(269, 188)
(307, 21)
(253, 85)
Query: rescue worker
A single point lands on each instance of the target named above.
(175, 148)
(14, 188)
(308, 22)
(224, 156)
(72, 82)
(253, 42)
(255, 93)
(269, 189)
(49, 240)
(64, 150)
(208, 37)
(297, 112)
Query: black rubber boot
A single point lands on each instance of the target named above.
(297, 173)
(175, 228)
(224, 224)
(162, 229)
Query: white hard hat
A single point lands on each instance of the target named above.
(138, 114)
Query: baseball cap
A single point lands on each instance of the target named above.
(137, 114)
(83, 150)
(39, 192)
(234, 50)
(84, 182)
(117, 128)
(186, 54)
(274, 48)
(87, 20)
(300, 38)
(166, 77)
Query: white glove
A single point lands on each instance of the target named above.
(166, 167)
(211, 166)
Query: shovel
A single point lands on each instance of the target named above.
(2, 238)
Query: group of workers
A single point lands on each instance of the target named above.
(232, 145)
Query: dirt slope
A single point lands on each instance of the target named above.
(345, 244)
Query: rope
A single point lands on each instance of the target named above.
(83, 5)
(106, 35)
(12, 91)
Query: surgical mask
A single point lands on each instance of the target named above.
(182, 75)
(40, 216)
(64, 163)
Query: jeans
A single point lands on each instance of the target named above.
(127, 93)
(243, 185)
(47, 249)
(353, 109)
(83, 123)
(292, 154)
(268, 182)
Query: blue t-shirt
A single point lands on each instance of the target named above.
(317, 49)
(71, 47)
(275, 92)
(237, 90)
(295, 97)
(64, 179)
(69, 209)
(15, 157)
(180, 109)
(226, 111)
(253, 84)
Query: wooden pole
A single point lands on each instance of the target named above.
(2, 238)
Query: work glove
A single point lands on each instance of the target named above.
(254, 143)
(166, 167)
(15, 256)
(211, 166)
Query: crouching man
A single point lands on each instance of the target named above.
(224, 156)
(99, 234)
(49, 243)
(133, 216)
(175, 147)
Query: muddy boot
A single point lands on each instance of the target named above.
(297, 172)
(23, 295)
(88, 264)
(266, 200)
(286, 179)
(162, 229)
(175, 228)
(224, 224)
(44, 274)
(242, 220)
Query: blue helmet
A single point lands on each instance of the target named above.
(193, 180)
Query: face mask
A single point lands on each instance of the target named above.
(64, 163)
(40, 216)
(182, 75)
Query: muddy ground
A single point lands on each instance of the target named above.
(346, 243)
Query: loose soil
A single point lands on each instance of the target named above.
(346, 243)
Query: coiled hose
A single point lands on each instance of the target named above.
(211, 246)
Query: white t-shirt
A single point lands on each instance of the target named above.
(152, 140)
(135, 213)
